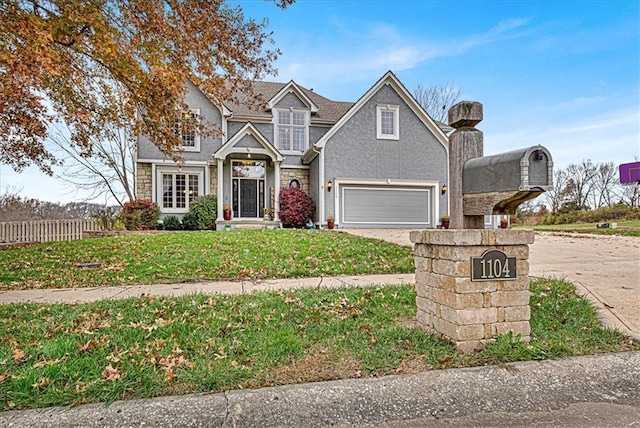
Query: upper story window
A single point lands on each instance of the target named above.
(388, 122)
(186, 128)
(291, 130)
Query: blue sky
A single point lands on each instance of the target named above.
(564, 74)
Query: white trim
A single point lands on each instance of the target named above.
(321, 189)
(220, 189)
(263, 179)
(433, 187)
(396, 122)
(173, 170)
(249, 129)
(388, 79)
(196, 146)
(292, 88)
(168, 162)
(295, 167)
(276, 127)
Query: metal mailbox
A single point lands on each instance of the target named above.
(497, 184)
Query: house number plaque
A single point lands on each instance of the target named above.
(493, 265)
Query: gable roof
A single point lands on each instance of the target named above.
(388, 79)
(230, 146)
(257, 105)
(291, 87)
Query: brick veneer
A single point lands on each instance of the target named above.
(470, 314)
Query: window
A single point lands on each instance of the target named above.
(388, 122)
(186, 127)
(291, 130)
(179, 189)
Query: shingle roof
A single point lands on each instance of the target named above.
(247, 105)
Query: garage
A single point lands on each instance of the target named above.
(369, 206)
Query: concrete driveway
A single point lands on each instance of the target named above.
(605, 269)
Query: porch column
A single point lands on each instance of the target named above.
(276, 184)
(220, 190)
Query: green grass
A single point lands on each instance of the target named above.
(625, 228)
(52, 354)
(199, 256)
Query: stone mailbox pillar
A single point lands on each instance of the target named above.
(473, 285)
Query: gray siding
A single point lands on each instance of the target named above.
(313, 189)
(194, 99)
(291, 100)
(355, 152)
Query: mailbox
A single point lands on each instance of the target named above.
(497, 184)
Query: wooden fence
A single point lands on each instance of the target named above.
(45, 230)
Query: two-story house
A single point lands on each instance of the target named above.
(378, 162)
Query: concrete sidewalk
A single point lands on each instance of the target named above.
(592, 391)
(92, 294)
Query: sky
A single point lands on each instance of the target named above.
(563, 74)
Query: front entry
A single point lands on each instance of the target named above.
(248, 188)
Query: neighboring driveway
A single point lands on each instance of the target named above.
(604, 268)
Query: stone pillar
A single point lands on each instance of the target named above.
(465, 143)
(471, 313)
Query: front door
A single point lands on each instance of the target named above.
(249, 198)
(248, 179)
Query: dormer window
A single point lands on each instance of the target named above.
(291, 130)
(186, 127)
(388, 122)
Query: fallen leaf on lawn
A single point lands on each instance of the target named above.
(18, 355)
(111, 373)
(46, 362)
(89, 345)
(4, 375)
(43, 382)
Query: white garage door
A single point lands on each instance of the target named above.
(385, 206)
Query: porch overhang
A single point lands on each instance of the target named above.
(232, 146)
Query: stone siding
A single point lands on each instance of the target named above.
(143, 181)
(213, 180)
(288, 174)
(470, 313)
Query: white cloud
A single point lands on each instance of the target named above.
(605, 137)
(358, 51)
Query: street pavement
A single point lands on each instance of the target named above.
(590, 391)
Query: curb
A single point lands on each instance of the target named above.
(430, 397)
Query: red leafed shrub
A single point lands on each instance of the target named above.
(296, 207)
(141, 214)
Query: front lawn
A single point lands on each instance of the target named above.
(199, 256)
(54, 354)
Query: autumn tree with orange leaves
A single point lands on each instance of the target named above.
(70, 61)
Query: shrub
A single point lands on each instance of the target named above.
(107, 217)
(203, 212)
(171, 222)
(141, 214)
(296, 207)
(189, 221)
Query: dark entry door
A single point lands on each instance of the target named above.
(248, 198)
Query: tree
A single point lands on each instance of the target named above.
(581, 177)
(557, 195)
(67, 59)
(109, 170)
(604, 183)
(437, 100)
